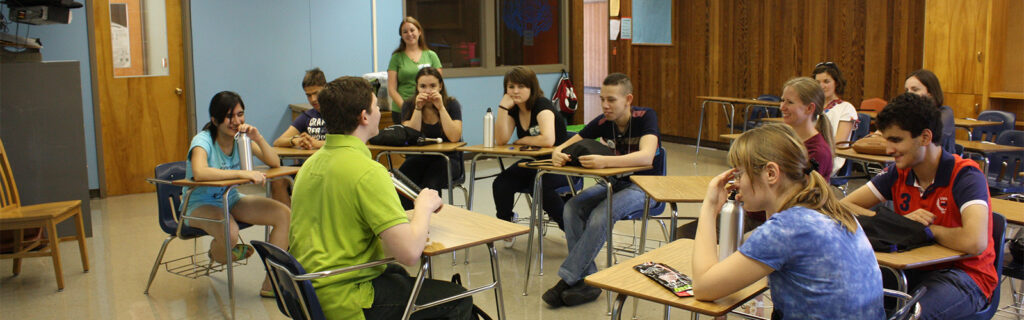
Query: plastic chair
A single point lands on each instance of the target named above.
(873, 104)
(296, 297)
(638, 248)
(168, 198)
(1004, 167)
(948, 139)
(843, 176)
(1014, 270)
(998, 235)
(759, 111)
(989, 133)
(911, 308)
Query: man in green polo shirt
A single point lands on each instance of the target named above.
(345, 212)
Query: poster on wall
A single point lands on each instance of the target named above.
(627, 28)
(120, 38)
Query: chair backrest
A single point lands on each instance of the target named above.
(998, 237)
(1011, 138)
(948, 139)
(1005, 167)
(295, 299)
(660, 206)
(863, 127)
(989, 133)
(873, 104)
(8, 189)
(168, 199)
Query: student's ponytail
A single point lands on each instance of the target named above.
(825, 128)
(778, 143)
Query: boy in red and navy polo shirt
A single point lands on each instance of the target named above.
(946, 194)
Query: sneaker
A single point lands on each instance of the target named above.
(553, 296)
(579, 294)
(509, 242)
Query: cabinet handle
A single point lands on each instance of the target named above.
(979, 56)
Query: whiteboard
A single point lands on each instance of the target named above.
(652, 22)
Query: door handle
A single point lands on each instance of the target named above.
(178, 91)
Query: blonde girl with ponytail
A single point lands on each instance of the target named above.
(818, 260)
(803, 109)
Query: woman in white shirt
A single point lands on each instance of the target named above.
(841, 114)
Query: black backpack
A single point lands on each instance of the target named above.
(891, 232)
(397, 136)
(585, 147)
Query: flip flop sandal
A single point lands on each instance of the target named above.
(268, 293)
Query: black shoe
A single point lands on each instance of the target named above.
(580, 293)
(553, 296)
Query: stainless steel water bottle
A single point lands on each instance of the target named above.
(730, 227)
(489, 129)
(244, 145)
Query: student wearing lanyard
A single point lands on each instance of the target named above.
(632, 132)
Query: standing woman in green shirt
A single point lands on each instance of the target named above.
(412, 55)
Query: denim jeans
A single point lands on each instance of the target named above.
(952, 294)
(391, 292)
(586, 226)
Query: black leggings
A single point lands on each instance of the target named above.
(517, 179)
(429, 172)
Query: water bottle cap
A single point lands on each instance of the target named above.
(488, 110)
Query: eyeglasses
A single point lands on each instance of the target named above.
(826, 63)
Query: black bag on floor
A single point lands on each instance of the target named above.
(477, 312)
(890, 232)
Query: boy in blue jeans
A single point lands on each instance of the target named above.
(632, 132)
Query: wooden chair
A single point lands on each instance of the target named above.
(19, 219)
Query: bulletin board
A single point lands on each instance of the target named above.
(652, 22)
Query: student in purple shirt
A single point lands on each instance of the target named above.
(306, 132)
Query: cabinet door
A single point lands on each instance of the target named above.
(954, 38)
(964, 106)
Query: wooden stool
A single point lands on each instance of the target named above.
(14, 216)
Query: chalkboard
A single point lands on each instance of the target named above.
(652, 22)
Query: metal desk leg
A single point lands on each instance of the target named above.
(533, 228)
(411, 307)
(227, 249)
(731, 114)
(700, 128)
(608, 241)
(643, 239)
(901, 283)
(620, 300)
(496, 275)
(472, 180)
(538, 209)
(675, 215)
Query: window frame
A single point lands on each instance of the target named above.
(489, 50)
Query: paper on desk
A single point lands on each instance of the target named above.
(613, 29)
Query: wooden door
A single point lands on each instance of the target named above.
(954, 43)
(964, 106)
(142, 118)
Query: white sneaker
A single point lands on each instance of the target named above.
(509, 242)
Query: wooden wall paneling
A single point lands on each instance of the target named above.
(745, 49)
(877, 26)
(953, 40)
(576, 63)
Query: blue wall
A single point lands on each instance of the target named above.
(69, 42)
(261, 51)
